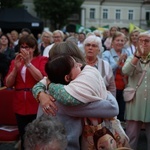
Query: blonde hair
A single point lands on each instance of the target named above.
(60, 32)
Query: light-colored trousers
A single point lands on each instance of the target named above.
(133, 129)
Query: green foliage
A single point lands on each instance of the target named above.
(10, 3)
(57, 11)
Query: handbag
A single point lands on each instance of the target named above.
(94, 134)
(129, 92)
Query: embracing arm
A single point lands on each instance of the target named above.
(98, 109)
(61, 95)
(45, 100)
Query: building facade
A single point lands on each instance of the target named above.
(100, 13)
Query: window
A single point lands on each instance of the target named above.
(147, 16)
(105, 13)
(118, 14)
(130, 14)
(92, 13)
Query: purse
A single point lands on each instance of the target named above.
(129, 92)
(94, 134)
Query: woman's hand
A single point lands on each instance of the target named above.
(47, 103)
(26, 56)
(18, 61)
(139, 50)
(122, 59)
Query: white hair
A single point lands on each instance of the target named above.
(95, 39)
(146, 33)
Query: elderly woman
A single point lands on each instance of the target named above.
(138, 109)
(116, 58)
(58, 36)
(92, 47)
(46, 40)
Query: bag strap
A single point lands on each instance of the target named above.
(103, 69)
(142, 76)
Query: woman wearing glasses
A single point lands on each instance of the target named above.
(138, 110)
(24, 72)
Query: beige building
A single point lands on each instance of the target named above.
(100, 13)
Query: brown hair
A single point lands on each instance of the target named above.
(31, 42)
(99, 133)
(117, 34)
(68, 48)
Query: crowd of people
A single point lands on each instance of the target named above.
(31, 65)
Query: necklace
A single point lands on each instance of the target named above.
(144, 61)
(91, 63)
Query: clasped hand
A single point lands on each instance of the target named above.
(23, 57)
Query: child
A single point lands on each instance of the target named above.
(83, 84)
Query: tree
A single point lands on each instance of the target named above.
(10, 4)
(57, 11)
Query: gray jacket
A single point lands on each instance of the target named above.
(71, 117)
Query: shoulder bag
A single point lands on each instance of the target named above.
(129, 92)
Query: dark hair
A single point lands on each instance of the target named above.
(99, 133)
(58, 67)
(124, 28)
(26, 30)
(7, 38)
(31, 42)
(68, 48)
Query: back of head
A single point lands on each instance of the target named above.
(68, 48)
(72, 39)
(45, 133)
(97, 33)
(26, 30)
(58, 68)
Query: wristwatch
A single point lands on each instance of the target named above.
(138, 57)
(28, 65)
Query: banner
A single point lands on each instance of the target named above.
(134, 27)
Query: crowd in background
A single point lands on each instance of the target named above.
(114, 50)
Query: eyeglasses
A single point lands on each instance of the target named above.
(145, 41)
(46, 36)
(25, 47)
(56, 37)
(91, 45)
